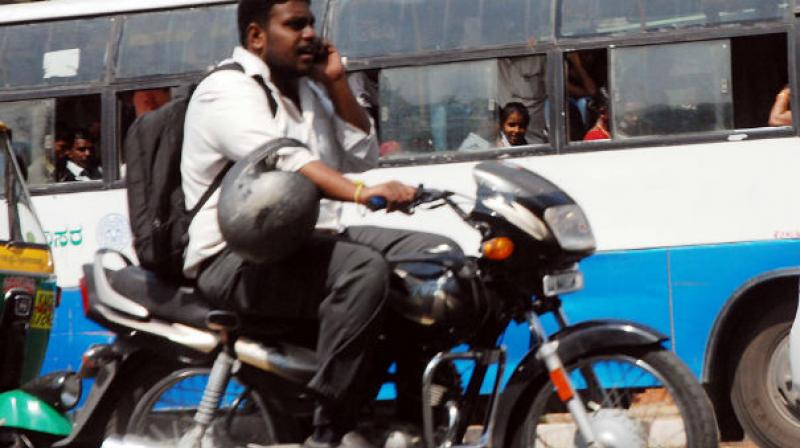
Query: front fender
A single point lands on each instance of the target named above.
(573, 342)
(21, 410)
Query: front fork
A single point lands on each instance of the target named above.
(548, 353)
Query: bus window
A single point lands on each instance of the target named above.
(449, 107)
(180, 41)
(522, 80)
(78, 121)
(56, 140)
(31, 123)
(593, 17)
(54, 53)
(760, 71)
(671, 89)
(366, 28)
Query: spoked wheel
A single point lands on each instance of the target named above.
(165, 413)
(634, 397)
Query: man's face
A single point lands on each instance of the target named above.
(81, 151)
(289, 38)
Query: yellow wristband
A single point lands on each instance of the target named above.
(357, 194)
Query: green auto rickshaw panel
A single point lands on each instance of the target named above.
(22, 410)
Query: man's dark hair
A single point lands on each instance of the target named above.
(254, 11)
(81, 134)
(512, 107)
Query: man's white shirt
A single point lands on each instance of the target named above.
(78, 172)
(229, 116)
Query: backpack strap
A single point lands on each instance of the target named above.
(211, 188)
(273, 105)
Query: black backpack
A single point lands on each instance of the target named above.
(156, 207)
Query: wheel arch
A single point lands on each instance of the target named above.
(737, 319)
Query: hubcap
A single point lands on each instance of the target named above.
(613, 429)
(779, 378)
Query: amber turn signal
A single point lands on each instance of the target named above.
(498, 249)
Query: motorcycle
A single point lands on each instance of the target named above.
(202, 377)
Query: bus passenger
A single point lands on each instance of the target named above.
(514, 121)
(781, 112)
(599, 105)
(148, 100)
(339, 281)
(81, 163)
(580, 86)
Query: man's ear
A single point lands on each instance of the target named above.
(256, 38)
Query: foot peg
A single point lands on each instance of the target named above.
(222, 321)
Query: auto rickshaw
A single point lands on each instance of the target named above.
(29, 295)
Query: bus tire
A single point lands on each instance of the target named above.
(757, 400)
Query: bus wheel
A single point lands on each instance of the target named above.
(761, 388)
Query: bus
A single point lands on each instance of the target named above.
(691, 191)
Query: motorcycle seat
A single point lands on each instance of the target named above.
(166, 301)
(184, 304)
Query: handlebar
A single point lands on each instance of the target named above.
(423, 196)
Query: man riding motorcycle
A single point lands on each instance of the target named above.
(339, 277)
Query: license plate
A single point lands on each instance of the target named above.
(562, 282)
(43, 307)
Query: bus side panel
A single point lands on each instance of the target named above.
(630, 285)
(703, 279)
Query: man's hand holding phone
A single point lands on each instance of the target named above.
(328, 67)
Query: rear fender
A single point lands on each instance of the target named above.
(573, 341)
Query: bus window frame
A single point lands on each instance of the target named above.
(66, 92)
(555, 78)
(793, 46)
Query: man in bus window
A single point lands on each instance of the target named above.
(341, 278)
(148, 100)
(81, 163)
(781, 112)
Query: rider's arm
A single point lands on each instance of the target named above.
(354, 130)
(335, 186)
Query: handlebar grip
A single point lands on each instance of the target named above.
(377, 203)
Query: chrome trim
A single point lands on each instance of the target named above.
(288, 361)
(202, 341)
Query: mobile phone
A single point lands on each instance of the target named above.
(318, 50)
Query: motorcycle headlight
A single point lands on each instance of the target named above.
(570, 227)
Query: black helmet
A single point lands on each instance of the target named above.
(266, 214)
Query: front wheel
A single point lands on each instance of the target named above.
(165, 413)
(635, 397)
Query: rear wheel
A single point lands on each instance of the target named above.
(761, 392)
(165, 413)
(635, 397)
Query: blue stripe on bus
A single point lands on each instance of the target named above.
(634, 285)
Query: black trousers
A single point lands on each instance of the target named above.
(341, 281)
